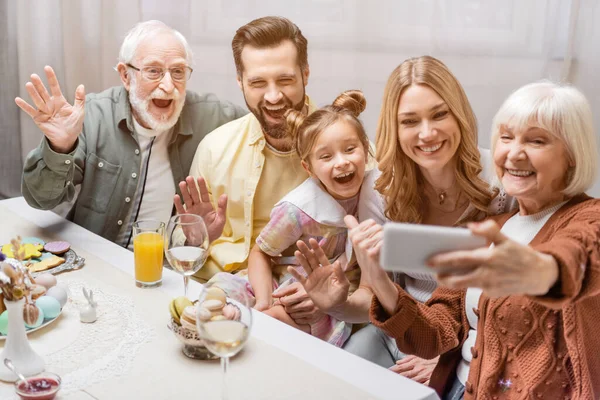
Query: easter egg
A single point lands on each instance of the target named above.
(59, 293)
(4, 323)
(49, 306)
(39, 320)
(46, 280)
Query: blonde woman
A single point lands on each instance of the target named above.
(431, 173)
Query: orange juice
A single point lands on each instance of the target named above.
(148, 254)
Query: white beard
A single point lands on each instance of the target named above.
(140, 106)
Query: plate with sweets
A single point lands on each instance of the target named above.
(49, 298)
(28, 330)
(52, 257)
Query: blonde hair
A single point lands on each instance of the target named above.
(305, 130)
(269, 32)
(400, 177)
(565, 113)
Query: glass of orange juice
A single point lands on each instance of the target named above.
(148, 251)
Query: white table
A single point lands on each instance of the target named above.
(366, 377)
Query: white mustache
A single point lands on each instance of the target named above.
(160, 95)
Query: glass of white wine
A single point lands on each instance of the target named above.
(225, 330)
(186, 245)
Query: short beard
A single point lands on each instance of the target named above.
(140, 107)
(277, 131)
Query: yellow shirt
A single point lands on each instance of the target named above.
(232, 159)
(278, 167)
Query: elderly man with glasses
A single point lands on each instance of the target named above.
(127, 146)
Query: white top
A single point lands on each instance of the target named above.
(314, 200)
(157, 200)
(522, 229)
(372, 205)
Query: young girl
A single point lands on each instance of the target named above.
(334, 150)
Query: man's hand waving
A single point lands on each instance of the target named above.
(59, 121)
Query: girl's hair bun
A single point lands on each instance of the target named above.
(352, 100)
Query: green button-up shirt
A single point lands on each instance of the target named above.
(107, 159)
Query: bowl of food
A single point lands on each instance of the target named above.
(42, 386)
(183, 325)
(216, 306)
(193, 347)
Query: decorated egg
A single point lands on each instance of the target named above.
(46, 280)
(49, 306)
(39, 320)
(4, 323)
(59, 293)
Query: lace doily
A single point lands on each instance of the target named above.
(91, 353)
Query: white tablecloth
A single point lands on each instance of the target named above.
(279, 362)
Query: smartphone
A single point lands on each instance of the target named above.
(406, 247)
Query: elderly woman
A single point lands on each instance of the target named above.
(530, 331)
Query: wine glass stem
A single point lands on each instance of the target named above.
(225, 365)
(186, 280)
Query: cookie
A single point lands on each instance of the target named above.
(48, 263)
(30, 250)
(58, 247)
(32, 240)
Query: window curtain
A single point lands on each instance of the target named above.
(10, 130)
(492, 47)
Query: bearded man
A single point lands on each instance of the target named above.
(128, 146)
(248, 165)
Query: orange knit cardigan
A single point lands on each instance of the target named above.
(527, 347)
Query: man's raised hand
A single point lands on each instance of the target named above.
(58, 120)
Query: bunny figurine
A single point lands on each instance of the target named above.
(87, 313)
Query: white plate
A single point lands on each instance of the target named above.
(45, 323)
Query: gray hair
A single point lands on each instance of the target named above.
(144, 30)
(564, 112)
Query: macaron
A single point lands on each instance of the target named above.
(188, 318)
(176, 307)
(231, 312)
(215, 293)
(203, 314)
(214, 306)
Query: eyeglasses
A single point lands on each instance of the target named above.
(179, 74)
